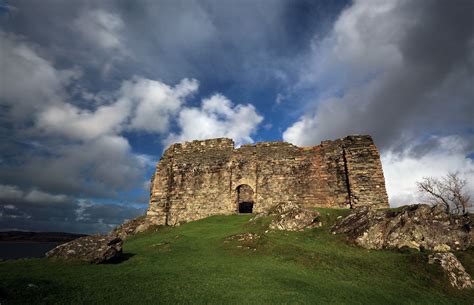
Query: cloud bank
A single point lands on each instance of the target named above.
(35, 210)
(65, 146)
(401, 71)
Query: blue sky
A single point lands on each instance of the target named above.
(93, 92)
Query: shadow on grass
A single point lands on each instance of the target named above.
(12, 291)
(120, 259)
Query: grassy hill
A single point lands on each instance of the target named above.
(197, 263)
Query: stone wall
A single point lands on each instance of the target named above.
(202, 178)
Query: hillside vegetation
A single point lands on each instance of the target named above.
(198, 263)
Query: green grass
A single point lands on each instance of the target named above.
(196, 264)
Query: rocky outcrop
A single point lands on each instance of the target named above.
(95, 249)
(416, 226)
(457, 275)
(276, 210)
(290, 217)
(295, 219)
(132, 227)
(282, 208)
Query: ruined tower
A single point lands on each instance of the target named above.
(202, 178)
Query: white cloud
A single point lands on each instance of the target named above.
(10, 192)
(28, 81)
(156, 102)
(78, 123)
(217, 117)
(403, 170)
(101, 28)
(102, 34)
(298, 132)
(82, 206)
(14, 193)
(366, 36)
(142, 105)
(146, 160)
(43, 197)
(279, 98)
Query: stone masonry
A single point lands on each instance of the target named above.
(198, 179)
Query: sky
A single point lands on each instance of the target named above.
(92, 92)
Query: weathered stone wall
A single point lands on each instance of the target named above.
(202, 178)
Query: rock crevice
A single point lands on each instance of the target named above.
(454, 270)
(95, 249)
(416, 226)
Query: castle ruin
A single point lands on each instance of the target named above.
(198, 179)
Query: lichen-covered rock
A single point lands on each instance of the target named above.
(457, 275)
(283, 208)
(132, 227)
(244, 237)
(415, 226)
(278, 209)
(95, 249)
(246, 241)
(296, 219)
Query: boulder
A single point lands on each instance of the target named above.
(276, 210)
(95, 249)
(457, 275)
(282, 208)
(296, 219)
(416, 226)
(132, 227)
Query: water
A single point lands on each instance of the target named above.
(15, 250)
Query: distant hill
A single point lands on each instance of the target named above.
(38, 236)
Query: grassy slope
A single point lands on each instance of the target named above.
(194, 264)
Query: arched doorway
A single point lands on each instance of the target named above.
(244, 199)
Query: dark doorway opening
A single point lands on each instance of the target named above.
(245, 207)
(245, 199)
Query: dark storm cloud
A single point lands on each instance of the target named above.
(96, 162)
(401, 71)
(408, 66)
(63, 108)
(83, 80)
(46, 178)
(423, 147)
(242, 42)
(171, 39)
(443, 35)
(35, 210)
(61, 53)
(432, 88)
(239, 41)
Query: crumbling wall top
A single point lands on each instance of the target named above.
(210, 148)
